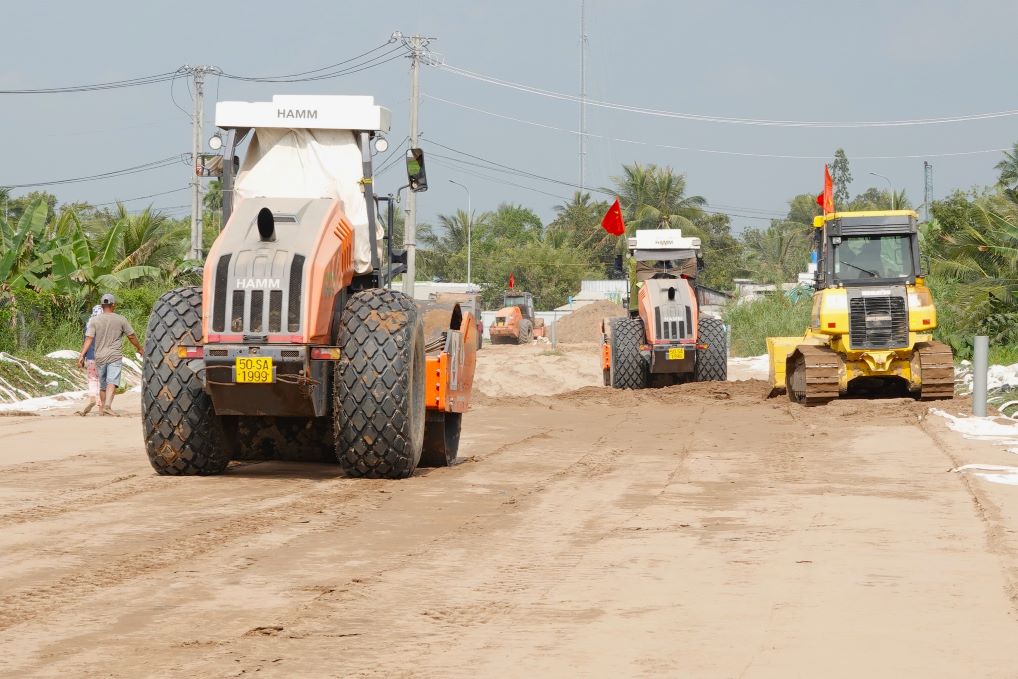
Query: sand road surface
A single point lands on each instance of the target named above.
(696, 531)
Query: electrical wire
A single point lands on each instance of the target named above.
(151, 195)
(499, 167)
(388, 161)
(492, 166)
(146, 167)
(696, 117)
(498, 180)
(399, 51)
(319, 70)
(111, 85)
(699, 150)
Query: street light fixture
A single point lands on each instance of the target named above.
(470, 219)
(889, 185)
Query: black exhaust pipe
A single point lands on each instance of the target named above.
(266, 224)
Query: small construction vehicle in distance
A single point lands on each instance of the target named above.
(665, 340)
(470, 302)
(295, 346)
(872, 319)
(516, 322)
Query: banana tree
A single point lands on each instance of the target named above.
(81, 269)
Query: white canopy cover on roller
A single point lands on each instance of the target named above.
(310, 163)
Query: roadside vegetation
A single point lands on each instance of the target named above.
(56, 261)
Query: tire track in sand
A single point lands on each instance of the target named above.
(29, 603)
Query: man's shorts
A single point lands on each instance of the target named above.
(109, 374)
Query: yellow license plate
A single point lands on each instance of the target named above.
(254, 370)
(674, 354)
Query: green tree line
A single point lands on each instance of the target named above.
(54, 262)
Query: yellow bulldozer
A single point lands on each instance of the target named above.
(870, 333)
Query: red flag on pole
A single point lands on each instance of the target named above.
(612, 222)
(826, 199)
(512, 281)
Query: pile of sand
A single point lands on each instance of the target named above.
(584, 324)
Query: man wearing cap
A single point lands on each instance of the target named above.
(107, 332)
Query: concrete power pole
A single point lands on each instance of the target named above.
(583, 90)
(198, 73)
(927, 189)
(418, 49)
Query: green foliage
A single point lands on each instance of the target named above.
(778, 253)
(841, 177)
(722, 252)
(655, 197)
(774, 316)
(578, 225)
(550, 273)
(877, 199)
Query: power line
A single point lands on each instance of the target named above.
(696, 117)
(111, 85)
(399, 51)
(498, 180)
(151, 195)
(700, 150)
(499, 167)
(154, 165)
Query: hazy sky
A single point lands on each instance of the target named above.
(848, 61)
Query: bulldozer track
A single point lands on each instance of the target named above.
(936, 367)
(813, 375)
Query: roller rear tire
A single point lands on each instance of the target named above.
(712, 362)
(628, 368)
(379, 387)
(183, 435)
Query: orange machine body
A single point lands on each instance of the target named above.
(647, 305)
(507, 323)
(323, 239)
(450, 369)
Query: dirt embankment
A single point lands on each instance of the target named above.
(584, 324)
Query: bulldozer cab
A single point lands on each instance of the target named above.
(868, 248)
(523, 300)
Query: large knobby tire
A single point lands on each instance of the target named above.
(379, 387)
(712, 362)
(183, 436)
(628, 368)
(526, 335)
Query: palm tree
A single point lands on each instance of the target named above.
(444, 249)
(149, 238)
(1008, 168)
(779, 252)
(578, 223)
(655, 198)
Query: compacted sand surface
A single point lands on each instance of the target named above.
(698, 530)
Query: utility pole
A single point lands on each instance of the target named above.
(418, 46)
(583, 90)
(927, 189)
(198, 74)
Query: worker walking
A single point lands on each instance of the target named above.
(106, 333)
(93, 376)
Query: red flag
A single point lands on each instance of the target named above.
(512, 281)
(826, 199)
(612, 222)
